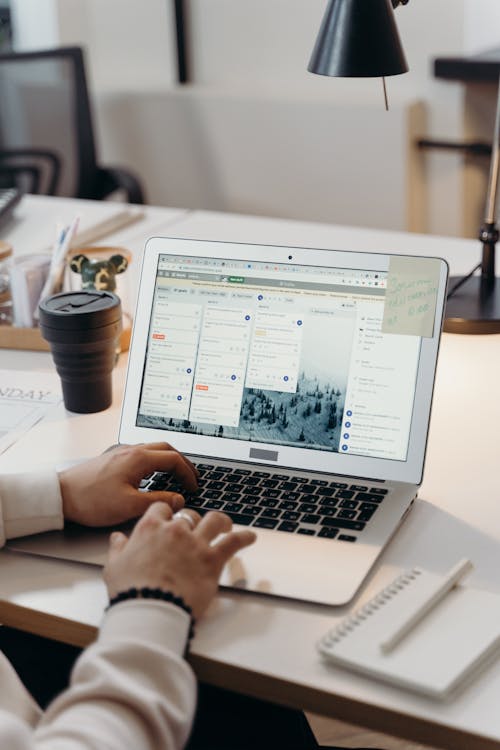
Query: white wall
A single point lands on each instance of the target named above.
(482, 25)
(129, 43)
(260, 48)
(269, 42)
(262, 45)
(261, 42)
(35, 24)
(269, 156)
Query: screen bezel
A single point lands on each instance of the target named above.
(409, 471)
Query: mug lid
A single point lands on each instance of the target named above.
(76, 311)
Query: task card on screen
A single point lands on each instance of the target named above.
(411, 296)
(273, 364)
(171, 357)
(220, 371)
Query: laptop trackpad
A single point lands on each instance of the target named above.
(287, 565)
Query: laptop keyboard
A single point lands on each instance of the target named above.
(294, 504)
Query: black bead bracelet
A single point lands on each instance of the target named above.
(148, 593)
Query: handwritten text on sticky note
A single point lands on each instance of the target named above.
(411, 296)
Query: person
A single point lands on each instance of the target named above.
(132, 688)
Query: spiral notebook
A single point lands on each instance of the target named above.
(449, 645)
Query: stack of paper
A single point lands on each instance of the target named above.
(25, 399)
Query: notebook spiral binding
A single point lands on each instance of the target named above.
(350, 622)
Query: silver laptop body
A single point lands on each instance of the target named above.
(300, 382)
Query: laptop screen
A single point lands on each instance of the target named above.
(277, 354)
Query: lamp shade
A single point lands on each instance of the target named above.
(358, 38)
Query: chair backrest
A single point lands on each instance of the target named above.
(45, 106)
(30, 170)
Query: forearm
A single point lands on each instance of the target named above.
(29, 503)
(130, 689)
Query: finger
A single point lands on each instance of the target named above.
(117, 447)
(187, 516)
(213, 524)
(170, 461)
(168, 447)
(158, 511)
(117, 542)
(231, 544)
(159, 446)
(145, 499)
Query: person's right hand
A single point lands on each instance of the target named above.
(165, 552)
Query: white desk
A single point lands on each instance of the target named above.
(33, 226)
(265, 647)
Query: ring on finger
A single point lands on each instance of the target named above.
(185, 516)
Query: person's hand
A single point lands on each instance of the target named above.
(104, 490)
(174, 555)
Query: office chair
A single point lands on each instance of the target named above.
(46, 114)
(30, 170)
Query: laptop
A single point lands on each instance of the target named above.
(299, 381)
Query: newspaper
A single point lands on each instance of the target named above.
(25, 399)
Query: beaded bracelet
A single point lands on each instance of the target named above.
(148, 593)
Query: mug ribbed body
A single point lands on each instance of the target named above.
(82, 333)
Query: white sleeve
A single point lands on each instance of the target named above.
(131, 689)
(29, 503)
(16, 704)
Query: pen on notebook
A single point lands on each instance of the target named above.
(443, 586)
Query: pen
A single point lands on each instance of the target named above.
(58, 259)
(61, 255)
(435, 595)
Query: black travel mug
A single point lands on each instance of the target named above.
(82, 329)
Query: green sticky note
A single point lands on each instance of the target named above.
(411, 296)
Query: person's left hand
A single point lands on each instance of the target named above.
(104, 491)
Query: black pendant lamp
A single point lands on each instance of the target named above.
(358, 38)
